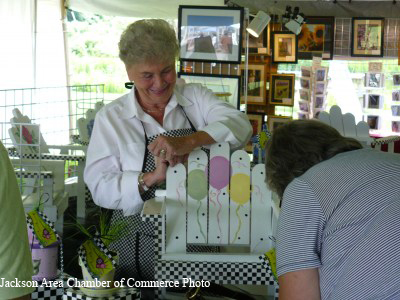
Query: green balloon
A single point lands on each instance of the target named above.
(197, 184)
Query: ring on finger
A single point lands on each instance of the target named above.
(163, 152)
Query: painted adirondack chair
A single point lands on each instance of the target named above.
(231, 207)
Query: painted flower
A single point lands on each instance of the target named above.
(100, 263)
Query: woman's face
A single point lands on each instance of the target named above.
(154, 82)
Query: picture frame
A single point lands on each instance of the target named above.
(395, 110)
(304, 94)
(396, 95)
(256, 121)
(304, 106)
(319, 102)
(321, 74)
(372, 101)
(367, 37)
(282, 89)
(225, 87)
(373, 122)
(260, 45)
(274, 121)
(256, 84)
(303, 116)
(396, 79)
(317, 38)
(374, 80)
(210, 33)
(320, 88)
(306, 71)
(284, 47)
(305, 83)
(396, 126)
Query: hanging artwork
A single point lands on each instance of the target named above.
(367, 37)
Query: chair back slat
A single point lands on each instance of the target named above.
(197, 200)
(239, 190)
(176, 209)
(261, 212)
(218, 205)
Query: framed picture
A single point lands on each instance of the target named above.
(396, 95)
(256, 121)
(305, 71)
(319, 101)
(210, 33)
(260, 45)
(321, 74)
(373, 122)
(256, 84)
(396, 126)
(304, 106)
(305, 83)
(396, 79)
(372, 101)
(320, 88)
(367, 37)
(396, 110)
(282, 89)
(374, 80)
(316, 37)
(305, 95)
(225, 87)
(274, 121)
(284, 47)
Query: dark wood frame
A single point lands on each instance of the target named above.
(327, 52)
(234, 10)
(274, 38)
(274, 77)
(237, 104)
(259, 100)
(354, 42)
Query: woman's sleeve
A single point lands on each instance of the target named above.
(224, 123)
(110, 185)
(300, 228)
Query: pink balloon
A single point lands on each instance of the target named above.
(219, 172)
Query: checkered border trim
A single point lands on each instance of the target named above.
(13, 152)
(98, 243)
(33, 175)
(386, 140)
(122, 294)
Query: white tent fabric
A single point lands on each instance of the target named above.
(165, 9)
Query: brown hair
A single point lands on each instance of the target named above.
(296, 146)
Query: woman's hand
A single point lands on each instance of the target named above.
(173, 149)
(158, 175)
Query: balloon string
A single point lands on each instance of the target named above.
(198, 221)
(180, 186)
(258, 192)
(219, 211)
(240, 223)
(211, 195)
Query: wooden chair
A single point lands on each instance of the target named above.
(231, 207)
(29, 144)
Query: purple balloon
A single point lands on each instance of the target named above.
(219, 172)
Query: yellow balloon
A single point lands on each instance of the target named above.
(240, 188)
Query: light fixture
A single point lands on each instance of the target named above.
(293, 21)
(258, 24)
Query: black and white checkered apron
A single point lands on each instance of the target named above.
(136, 249)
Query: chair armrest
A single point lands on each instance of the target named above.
(154, 207)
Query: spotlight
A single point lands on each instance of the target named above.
(294, 25)
(258, 24)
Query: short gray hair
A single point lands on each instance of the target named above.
(148, 40)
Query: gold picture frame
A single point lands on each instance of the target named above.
(274, 121)
(284, 45)
(282, 89)
(367, 37)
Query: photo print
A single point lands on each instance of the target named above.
(305, 95)
(396, 110)
(396, 79)
(374, 101)
(319, 101)
(396, 95)
(319, 88)
(320, 74)
(396, 126)
(305, 71)
(304, 106)
(305, 83)
(373, 80)
(373, 122)
(302, 116)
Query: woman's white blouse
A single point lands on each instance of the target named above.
(117, 146)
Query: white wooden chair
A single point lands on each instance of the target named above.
(231, 207)
(31, 147)
(347, 126)
(85, 125)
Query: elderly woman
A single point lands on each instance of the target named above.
(339, 228)
(157, 119)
